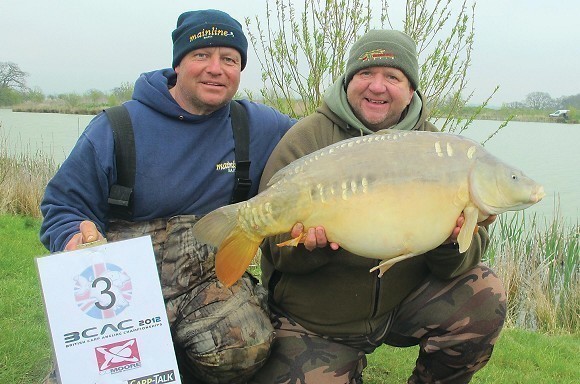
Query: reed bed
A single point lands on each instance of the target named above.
(538, 264)
(22, 181)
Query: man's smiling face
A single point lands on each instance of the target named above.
(207, 79)
(378, 96)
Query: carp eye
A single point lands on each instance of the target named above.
(514, 177)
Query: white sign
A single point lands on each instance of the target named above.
(106, 315)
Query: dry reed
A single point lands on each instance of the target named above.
(22, 181)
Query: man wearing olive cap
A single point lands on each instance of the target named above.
(328, 311)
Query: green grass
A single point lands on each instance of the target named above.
(24, 346)
(520, 356)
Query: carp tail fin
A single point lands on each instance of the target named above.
(234, 256)
(217, 225)
(220, 229)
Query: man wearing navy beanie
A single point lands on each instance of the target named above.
(207, 28)
(185, 166)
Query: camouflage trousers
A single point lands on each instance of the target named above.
(220, 335)
(455, 323)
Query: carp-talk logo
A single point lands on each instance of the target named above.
(156, 378)
(376, 54)
(118, 357)
(103, 290)
(209, 33)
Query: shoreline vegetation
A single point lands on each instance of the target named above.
(486, 113)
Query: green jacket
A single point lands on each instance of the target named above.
(331, 292)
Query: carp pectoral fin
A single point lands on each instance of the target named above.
(293, 242)
(385, 265)
(466, 232)
(233, 257)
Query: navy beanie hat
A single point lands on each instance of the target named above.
(207, 28)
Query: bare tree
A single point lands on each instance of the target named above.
(11, 76)
(539, 100)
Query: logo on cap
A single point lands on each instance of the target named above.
(209, 33)
(376, 54)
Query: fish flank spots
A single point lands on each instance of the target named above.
(471, 152)
(449, 150)
(438, 149)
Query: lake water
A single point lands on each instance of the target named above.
(547, 152)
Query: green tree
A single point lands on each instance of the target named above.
(34, 95)
(73, 100)
(12, 84)
(569, 102)
(122, 93)
(9, 96)
(302, 54)
(95, 97)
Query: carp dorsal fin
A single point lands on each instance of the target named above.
(466, 233)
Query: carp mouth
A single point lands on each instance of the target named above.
(537, 195)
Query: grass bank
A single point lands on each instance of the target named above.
(24, 346)
(520, 356)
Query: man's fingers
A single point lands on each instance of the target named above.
(297, 230)
(73, 242)
(321, 240)
(89, 232)
(314, 237)
(310, 239)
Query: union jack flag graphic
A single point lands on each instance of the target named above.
(103, 290)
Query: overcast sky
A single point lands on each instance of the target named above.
(67, 46)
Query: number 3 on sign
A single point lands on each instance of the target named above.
(106, 291)
(103, 290)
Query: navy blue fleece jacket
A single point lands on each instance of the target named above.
(185, 163)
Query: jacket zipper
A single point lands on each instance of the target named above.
(377, 293)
